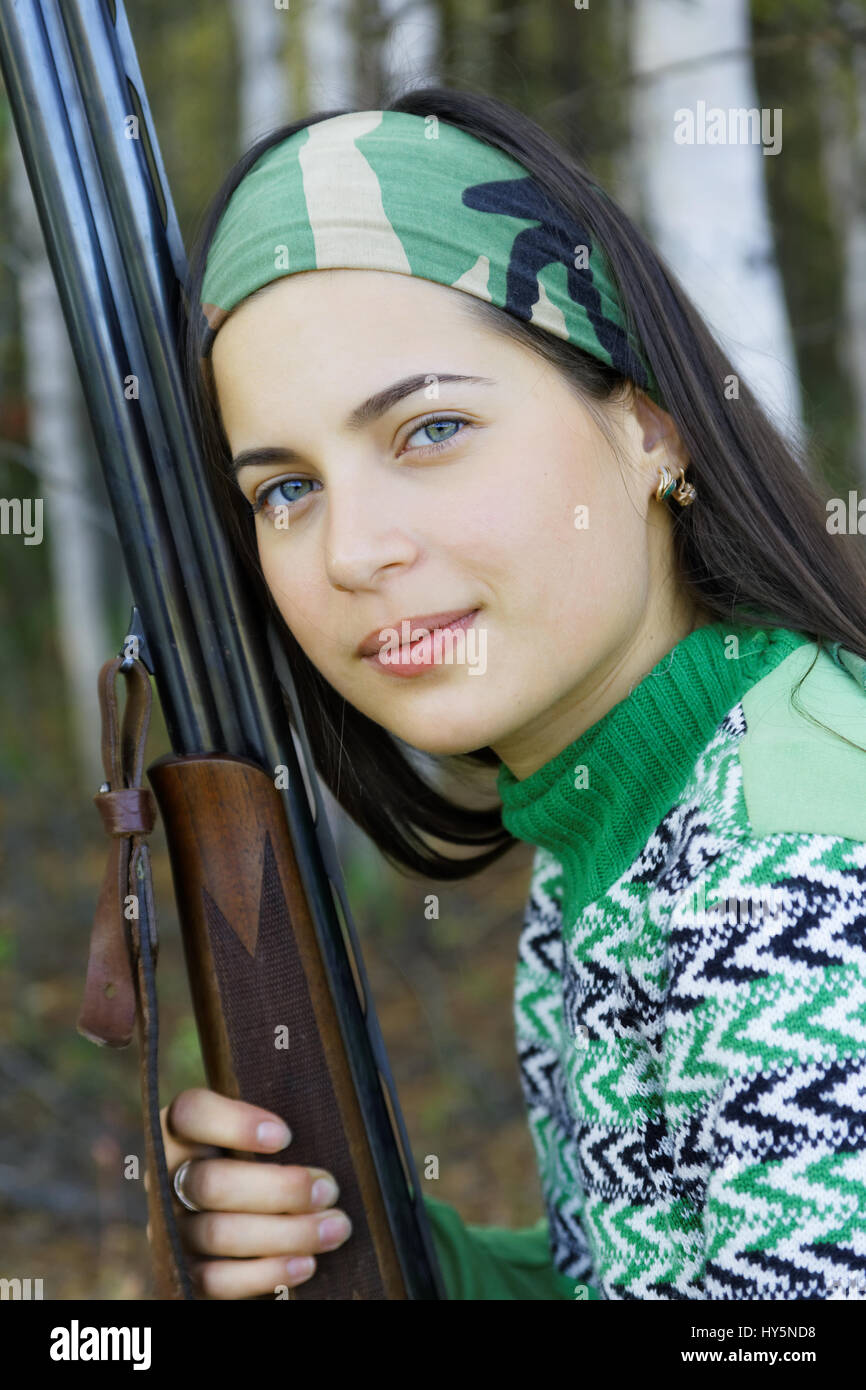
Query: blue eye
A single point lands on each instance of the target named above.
(437, 423)
(286, 498)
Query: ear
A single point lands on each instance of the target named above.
(657, 427)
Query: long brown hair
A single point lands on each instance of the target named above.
(754, 549)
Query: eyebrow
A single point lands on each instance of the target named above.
(363, 414)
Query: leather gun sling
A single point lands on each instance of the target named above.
(120, 987)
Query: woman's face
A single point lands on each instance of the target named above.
(522, 515)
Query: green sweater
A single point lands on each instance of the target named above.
(690, 1002)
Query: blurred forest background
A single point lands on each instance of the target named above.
(772, 247)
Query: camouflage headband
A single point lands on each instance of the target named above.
(385, 190)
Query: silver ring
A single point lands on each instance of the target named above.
(178, 1187)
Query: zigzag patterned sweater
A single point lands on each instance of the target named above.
(690, 1001)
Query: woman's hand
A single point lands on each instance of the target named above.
(261, 1224)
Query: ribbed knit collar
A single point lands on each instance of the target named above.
(637, 757)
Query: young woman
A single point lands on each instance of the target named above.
(515, 511)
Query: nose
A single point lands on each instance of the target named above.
(367, 532)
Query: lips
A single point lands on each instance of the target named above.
(429, 621)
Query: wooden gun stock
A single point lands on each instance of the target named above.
(258, 981)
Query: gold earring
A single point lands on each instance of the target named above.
(683, 492)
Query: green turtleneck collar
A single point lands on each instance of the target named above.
(631, 765)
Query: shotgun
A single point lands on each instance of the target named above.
(282, 1004)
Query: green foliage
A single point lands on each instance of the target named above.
(181, 1063)
(8, 948)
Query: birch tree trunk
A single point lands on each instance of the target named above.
(705, 204)
(53, 396)
(263, 95)
(331, 63)
(410, 50)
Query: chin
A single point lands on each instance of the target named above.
(446, 750)
(445, 744)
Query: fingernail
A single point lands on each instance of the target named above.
(274, 1134)
(334, 1230)
(301, 1267)
(324, 1192)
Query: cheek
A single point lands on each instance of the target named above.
(290, 577)
(553, 516)
(570, 543)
